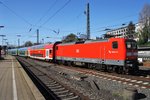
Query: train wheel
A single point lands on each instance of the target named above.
(89, 65)
(126, 70)
(110, 68)
(59, 62)
(98, 67)
(135, 70)
(69, 63)
(119, 69)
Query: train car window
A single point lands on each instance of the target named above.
(50, 51)
(115, 45)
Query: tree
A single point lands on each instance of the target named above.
(144, 14)
(144, 35)
(28, 43)
(144, 21)
(130, 30)
(108, 35)
(70, 38)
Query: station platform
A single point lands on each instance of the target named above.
(15, 84)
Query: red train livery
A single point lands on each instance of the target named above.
(117, 54)
(44, 52)
(111, 54)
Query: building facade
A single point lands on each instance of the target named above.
(119, 32)
(122, 32)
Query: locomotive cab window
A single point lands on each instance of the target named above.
(115, 45)
(131, 45)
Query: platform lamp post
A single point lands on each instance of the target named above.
(2, 38)
(5, 41)
(18, 40)
(2, 35)
(5, 46)
(1, 26)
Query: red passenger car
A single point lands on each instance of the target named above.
(37, 52)
(112, 54)
(43, 51)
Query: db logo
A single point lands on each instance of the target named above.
(77, 50)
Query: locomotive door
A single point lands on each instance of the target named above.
(47, 53)
(102, 54)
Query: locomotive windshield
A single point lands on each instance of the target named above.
(131, 45)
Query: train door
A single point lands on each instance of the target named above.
(28, 53)
(47, 53)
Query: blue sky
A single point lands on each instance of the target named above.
(19, 16)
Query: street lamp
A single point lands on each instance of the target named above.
(5, 41)
(1, 26)
(2, 35)
(48, 37)
(2, 38)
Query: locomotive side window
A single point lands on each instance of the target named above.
(115, 45)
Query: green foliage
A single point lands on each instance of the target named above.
(70, 38)
(108, 35)
(131, 30)
(141, 41)
(144, 19)
(145, 35)
(28, 43)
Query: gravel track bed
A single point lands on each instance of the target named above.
(101, 90)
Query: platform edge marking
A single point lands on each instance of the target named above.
(15, 97)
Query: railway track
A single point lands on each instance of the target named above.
(142, 79)
(51, 88)
(136, 81)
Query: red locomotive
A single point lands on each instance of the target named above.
(117, 54)
(111, 54)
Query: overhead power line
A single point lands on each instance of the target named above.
(56, 13)
(22, 18)
(133, 15)
(44, 15)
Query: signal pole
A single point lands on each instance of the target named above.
(88, 21)
(37, 36)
